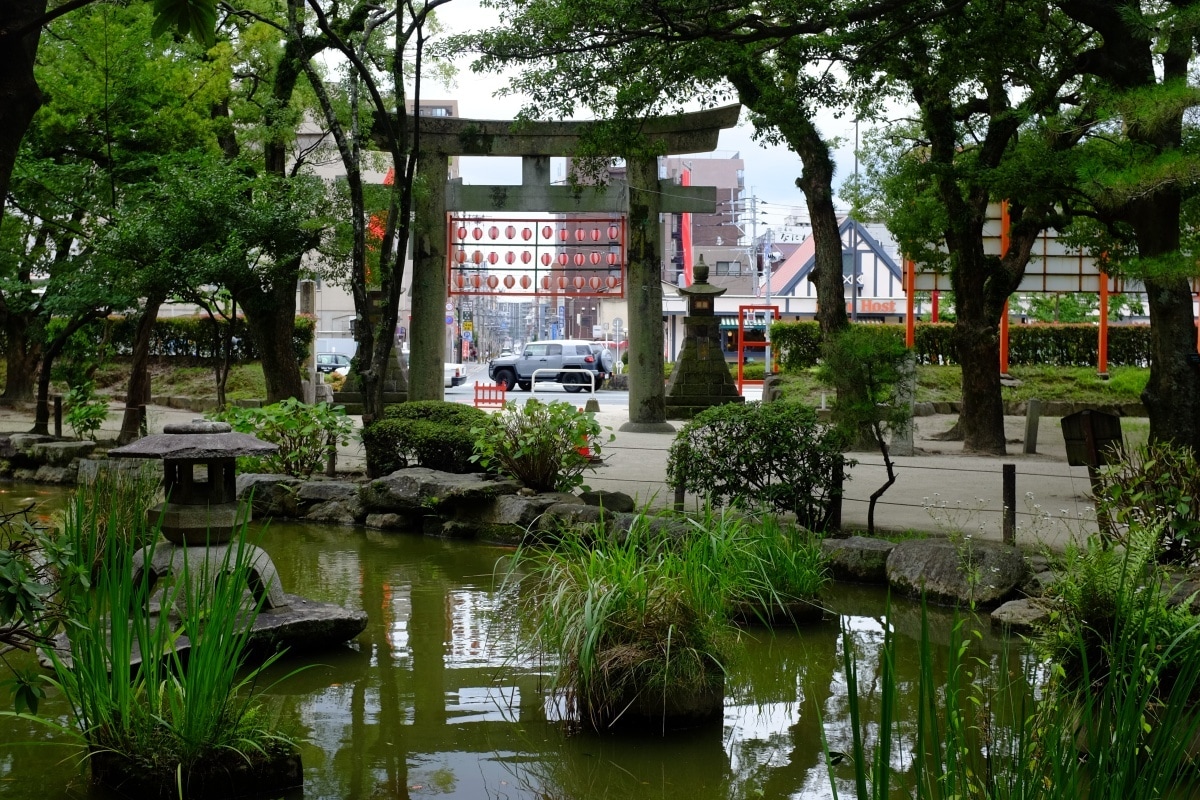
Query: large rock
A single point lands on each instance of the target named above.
(335, 502)
(273, 495)
(1020, 615)
(506, 520)
(59, 454)
(952, 573)
(858, 559)
(417, 491)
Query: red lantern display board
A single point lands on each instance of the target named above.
(512, 257)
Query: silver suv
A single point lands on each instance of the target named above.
(565, 361)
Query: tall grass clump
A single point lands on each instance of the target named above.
(1122, 722)
(765, 569)
(155, 718)
(632, 631)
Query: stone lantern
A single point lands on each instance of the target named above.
(701, 378)
(199, 459)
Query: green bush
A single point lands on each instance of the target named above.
(775, 455)
(799, 344)
(85, 412)
(428, 433)
(304, 434)
(539, 444)
(1155, 484)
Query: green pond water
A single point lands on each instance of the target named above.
(431, 699)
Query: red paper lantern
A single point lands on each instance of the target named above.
(562, 282)
(493, 257)
(493, 281)
(546, 259)
(613, 231)
(527, 234)
(475, 281)
(578, 281)
(477, 233)
(579, 259)
(461, 256)
(493, 232)
(545, 281)
(579, 234)
(460, 280)
(612, 259)
(525, 281)
(595, 234)
(526, 257)
(477, 257)
(509, 280)
(612, 281)
(595, 283)
(460, 232)
(547, 232)
(594, 258)
(562, 259)
(510, 232)
(510, 257)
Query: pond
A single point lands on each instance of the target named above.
(430, 701)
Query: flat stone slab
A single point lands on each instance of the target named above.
(60, 454)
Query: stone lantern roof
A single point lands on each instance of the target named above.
(198, 440)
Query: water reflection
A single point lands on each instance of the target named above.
(432, 700)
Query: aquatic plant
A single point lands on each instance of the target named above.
(546, 446)
(147, 713)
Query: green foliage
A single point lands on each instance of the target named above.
(304, 434)
(539, 444)
(85, 412)
(1157, 484)
(873, 361)
(427, 433)
(1029, 345)
(623, 615)
(169, 716)
(774, 455)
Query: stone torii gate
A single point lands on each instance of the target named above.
(644, 198)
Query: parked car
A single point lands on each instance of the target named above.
(331, 362)
(453, 373)
(564, 361)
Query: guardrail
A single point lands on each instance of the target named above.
(533, 379)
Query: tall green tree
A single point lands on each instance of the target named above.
(22, 23)
(117, 101)
(1137, 182)
(994, 87)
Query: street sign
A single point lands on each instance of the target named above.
(449, 319)
(467, 336)
(468, 325)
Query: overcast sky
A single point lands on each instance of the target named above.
(770, 172)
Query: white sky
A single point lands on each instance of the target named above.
(770, 172)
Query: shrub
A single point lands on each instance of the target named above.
(85, 412)
(304, 434)
(429, 433)
(545, 446)
(775, 455)
(1155, 482)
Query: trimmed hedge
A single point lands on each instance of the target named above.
(799, 347)
(426, 433)
(196, 337)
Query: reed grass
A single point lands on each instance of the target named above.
(137, 703)
(651, 611)
(1129, 731)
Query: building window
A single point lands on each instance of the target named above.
(729, 268)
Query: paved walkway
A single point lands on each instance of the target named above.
(938, 490)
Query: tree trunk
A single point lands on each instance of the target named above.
(23, 355)
(41, 419)
(20, 96)
(137, 393)
(271, 317)
(816, 181)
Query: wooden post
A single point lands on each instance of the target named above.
(58, 415)
(1010, 503)
(936, 296)
(1033, 415)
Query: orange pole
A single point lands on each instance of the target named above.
(1103, 365)
(910, 283)
(1004, 242)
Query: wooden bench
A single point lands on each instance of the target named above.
(487, 396)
